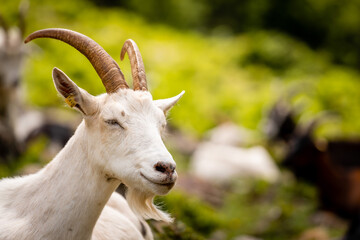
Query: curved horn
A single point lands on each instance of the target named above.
(105, 66)
(137, 64)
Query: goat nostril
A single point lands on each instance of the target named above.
(167, 168)
(160, 168)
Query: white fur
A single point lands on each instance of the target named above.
(117, 221)
(65, 199)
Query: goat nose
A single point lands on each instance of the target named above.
(167, 168)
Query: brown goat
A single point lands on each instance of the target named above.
(333, 166)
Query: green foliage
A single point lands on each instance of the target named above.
(322, 24)
(231, 78)
(279, 211)
(31, 156)
(226, 77)
(177, 231)
(275, 212)
(182, 14)
(201, 217)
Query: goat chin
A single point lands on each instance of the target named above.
(142, 204)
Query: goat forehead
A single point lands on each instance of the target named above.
(129, 102)
(131, 96)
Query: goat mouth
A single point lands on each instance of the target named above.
(164, 184)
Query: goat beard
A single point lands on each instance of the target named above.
(142, 205)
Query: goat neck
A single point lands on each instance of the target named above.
(69, 214)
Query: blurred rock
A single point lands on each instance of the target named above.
(26, 123)
(245, 237)
(328, 219)
(218, 235)
(317, 233)
(230, 134)
(220, 163)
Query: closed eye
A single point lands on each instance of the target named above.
(114, 122)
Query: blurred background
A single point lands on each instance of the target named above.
(266, 138)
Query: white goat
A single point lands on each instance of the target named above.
(118, 141)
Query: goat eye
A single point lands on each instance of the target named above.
(114, 122)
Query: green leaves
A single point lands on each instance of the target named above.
(225, 78)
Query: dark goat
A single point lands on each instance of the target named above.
(9, 148)
(56, 133)
(333, 167)
(280, 124)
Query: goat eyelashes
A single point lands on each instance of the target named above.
(114, 122)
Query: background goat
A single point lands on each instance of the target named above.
(118, 141)
(19, 124)
(12, 54)
(332, 166)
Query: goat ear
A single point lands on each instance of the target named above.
(74, 96)
(168, 103)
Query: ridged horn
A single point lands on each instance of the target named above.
(137, 64)
(107, 69)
